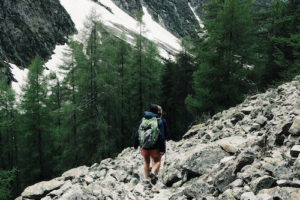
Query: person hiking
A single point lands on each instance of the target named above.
(166, 131)
(151, 138)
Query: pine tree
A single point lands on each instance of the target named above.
(227, 56)
(36, 151)
(69, 143)
(8, 137)
(5, 183)
(176, 85)
(283, 60)
(122, 57)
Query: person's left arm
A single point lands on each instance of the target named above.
(162, 139)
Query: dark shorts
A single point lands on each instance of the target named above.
(152, 153)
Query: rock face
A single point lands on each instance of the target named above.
(30, 27)
(234, 162)
(174, 15)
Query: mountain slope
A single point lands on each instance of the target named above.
(116, 21)
(173, 15)
(29, 28)
(247, 152)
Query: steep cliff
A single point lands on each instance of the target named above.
(30, 27)
(251, 151)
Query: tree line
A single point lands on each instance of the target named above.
(93, 112)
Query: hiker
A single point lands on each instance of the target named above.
(166, 131)
(151, 125)
(166, 128)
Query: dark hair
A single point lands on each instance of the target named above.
(154, 108)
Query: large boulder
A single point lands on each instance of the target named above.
(245, 158)
(284, 193)
(201, 162)
(260, 183)
(40, 190)
(197, 189)
(76, 172)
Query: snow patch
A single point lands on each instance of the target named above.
(197, 17)
(20, 75)
(55, 61)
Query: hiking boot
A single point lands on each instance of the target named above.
(147, 185)
(153, 178)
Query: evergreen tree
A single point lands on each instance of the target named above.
(122, 60)
(5, 183)
(8, 138)
(226, 55)
(284, 37)
(69, 142)
(7, 127)
(36, 151)
(176, 85)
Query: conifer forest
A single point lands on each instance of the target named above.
(92, 113)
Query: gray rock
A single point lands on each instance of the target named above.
(237, 192)
(171, 176)
(120, 175)
(202, 161)
(283, 171)
(284, 193)
(197, 189)
(264, 197)
(88, 179)
(268, 167)
(76, 172)
(249, 173)
(193, 131)
(261, 120)
(40, 190)
(229, 148)
(260, 183)
(295, 151)
(77, 192)
(237, 117)
(237, 183)
(60, 191)
(296, 169)
(227, 195)
(245, 158)
(255, 127)
(247, 110)
(248, 196)
(224, 177)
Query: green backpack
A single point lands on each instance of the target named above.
(148, 132)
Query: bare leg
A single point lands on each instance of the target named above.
(156, 165)
(146, 166)
(151, 163)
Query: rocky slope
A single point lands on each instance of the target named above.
(30, 27)
(249, 152)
